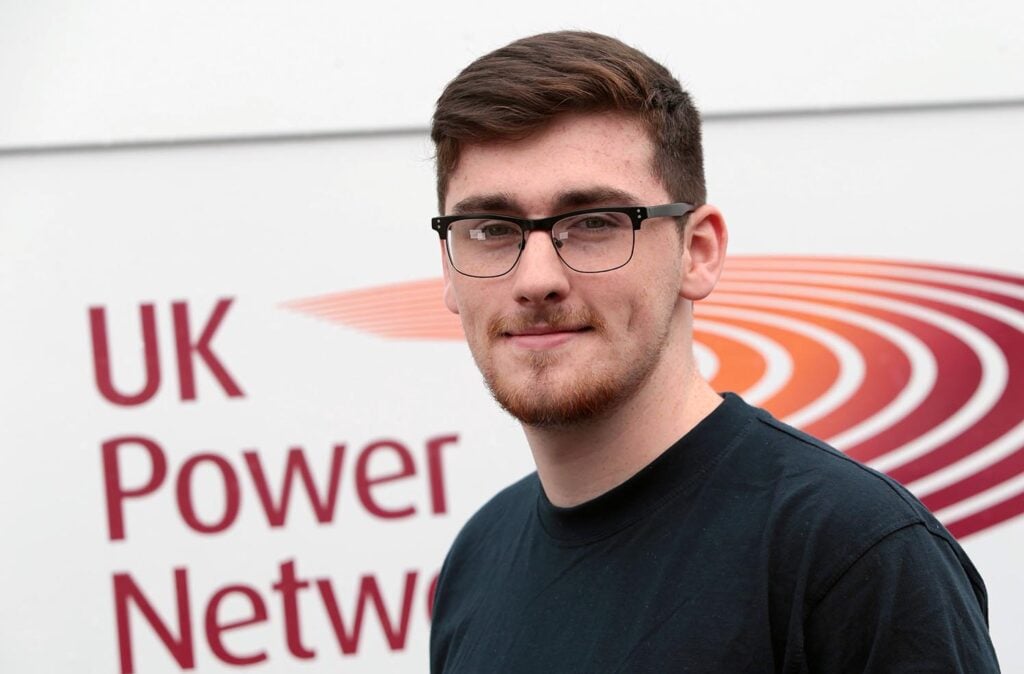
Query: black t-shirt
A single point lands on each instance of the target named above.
(745, 547)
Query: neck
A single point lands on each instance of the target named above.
(583, 461)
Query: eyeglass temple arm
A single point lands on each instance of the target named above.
(670, 210)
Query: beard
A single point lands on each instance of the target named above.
(539, 397)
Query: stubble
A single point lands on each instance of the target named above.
(542, 395)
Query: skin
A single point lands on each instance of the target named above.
(610, 353)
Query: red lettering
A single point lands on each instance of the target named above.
(179, 642)
(299, 474)
(323, 507)
(180, 648)
(214, 629)
(116, 493)
(186, 348)
(364, 481)
(101, 357)
(232, 495)
(289, 587)
(435, 472)
(368, 589)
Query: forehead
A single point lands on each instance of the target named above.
(580, 153)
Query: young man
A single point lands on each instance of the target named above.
(666, 528)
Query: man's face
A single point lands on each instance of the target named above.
(557, 346)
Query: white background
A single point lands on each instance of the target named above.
(115, 189)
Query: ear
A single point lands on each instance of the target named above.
(449, 291)
(704, 244)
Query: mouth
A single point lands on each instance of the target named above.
(542, 337)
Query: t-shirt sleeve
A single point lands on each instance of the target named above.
(908, 604)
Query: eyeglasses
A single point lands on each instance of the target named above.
(590, 241)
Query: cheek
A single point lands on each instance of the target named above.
(619, 304)
(473, 311)
(639, 311)
(650, 303)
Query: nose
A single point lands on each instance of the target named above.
(540, 276)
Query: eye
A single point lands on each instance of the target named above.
(595, 222)
(499, 229)
(591, 226)
(493, 230)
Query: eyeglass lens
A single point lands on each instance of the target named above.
(588, 242)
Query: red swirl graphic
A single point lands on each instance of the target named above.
(915, 369)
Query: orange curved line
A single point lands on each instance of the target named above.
(815, 368)
(740, 366)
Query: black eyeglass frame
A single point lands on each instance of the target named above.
(637, 214)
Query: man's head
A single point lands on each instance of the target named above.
(559, 123)
(518, 89)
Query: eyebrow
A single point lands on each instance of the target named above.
(567, 200)
(501, 202)
(594, 196)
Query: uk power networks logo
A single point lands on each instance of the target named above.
(915, 369)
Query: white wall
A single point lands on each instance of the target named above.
(114, 71)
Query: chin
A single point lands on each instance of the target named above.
(543, 403)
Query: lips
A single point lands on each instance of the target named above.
(544, 328)
(544, 336)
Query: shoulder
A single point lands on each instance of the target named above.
(818, 504)
(815, 478)
(854, 553)
(909, 589)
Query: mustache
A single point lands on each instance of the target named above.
(554, 318)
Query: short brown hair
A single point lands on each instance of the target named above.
(517, 89)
